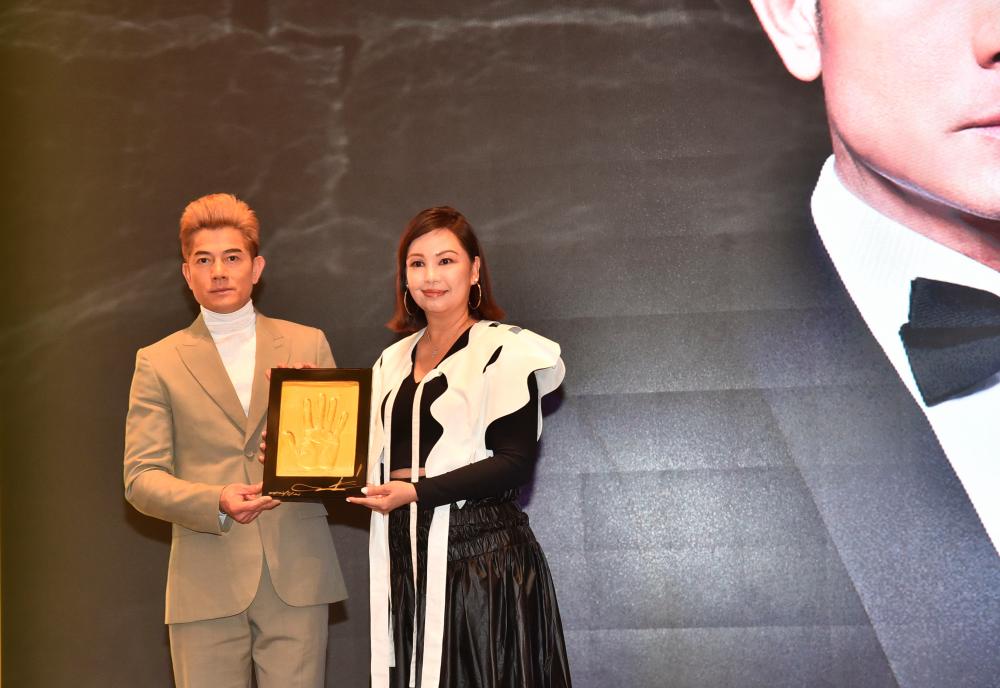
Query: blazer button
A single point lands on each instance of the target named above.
(249, 453)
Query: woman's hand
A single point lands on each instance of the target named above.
(386, 497)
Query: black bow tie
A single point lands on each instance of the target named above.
(952, 338)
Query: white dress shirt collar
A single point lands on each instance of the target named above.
(876, 259)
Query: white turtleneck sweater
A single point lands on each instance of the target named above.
(235, 336)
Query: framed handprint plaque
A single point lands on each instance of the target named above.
(317, 432)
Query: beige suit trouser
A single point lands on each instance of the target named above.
(286, 645)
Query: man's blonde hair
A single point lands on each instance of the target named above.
(219, 211)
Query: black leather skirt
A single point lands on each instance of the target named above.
(502, 627)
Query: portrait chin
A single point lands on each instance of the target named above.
(952, 173)
(912, 89)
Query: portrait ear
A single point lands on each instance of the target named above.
(258, 268)
(793, 27)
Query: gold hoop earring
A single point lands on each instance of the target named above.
(480, 299)
(406, 293)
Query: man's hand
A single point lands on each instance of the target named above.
(244, 503)
(386, 497)
(298, 365)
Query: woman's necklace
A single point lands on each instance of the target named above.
(436, 348)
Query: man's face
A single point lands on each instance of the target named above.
(913, 95)
(220, 271)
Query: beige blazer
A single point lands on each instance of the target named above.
(186, 437)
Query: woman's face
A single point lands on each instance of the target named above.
(439, 273)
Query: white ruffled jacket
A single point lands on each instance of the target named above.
(479, 391)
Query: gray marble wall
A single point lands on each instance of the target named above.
(638, 172)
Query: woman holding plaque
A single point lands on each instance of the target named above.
(461, 594)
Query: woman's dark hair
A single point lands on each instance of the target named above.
(424, 222)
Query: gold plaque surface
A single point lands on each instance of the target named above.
(317, 429)
(318, 418)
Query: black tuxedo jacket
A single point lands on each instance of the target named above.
(897, 515)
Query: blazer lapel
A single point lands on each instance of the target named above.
(272, 351)
(896, 512)
(199, 354)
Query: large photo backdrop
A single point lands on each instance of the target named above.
(639, 175)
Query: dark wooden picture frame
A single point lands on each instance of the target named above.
(317, 432)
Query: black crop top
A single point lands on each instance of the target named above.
(512, 438)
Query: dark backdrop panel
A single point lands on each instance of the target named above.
(638, 173)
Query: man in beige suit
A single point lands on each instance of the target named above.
(249, 578)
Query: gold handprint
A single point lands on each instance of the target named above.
(319, 445)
